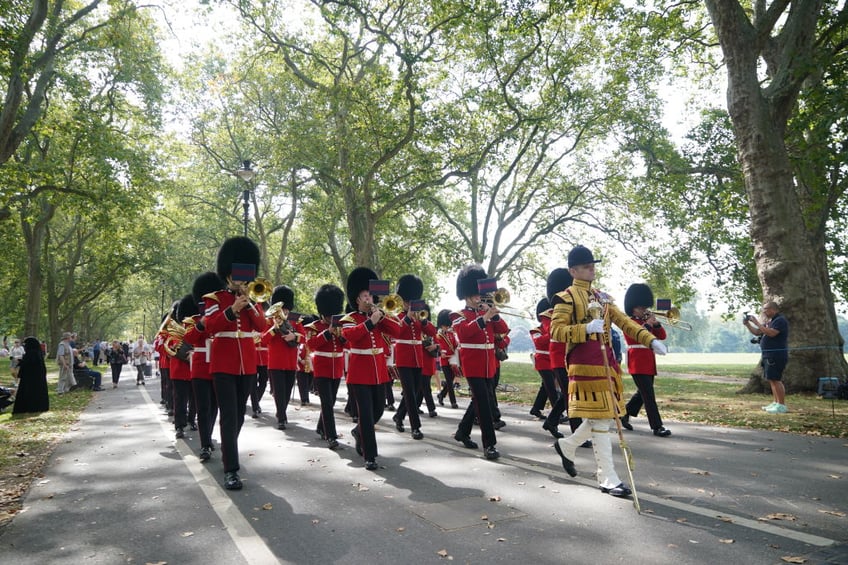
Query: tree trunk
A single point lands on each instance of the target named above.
(791, 270)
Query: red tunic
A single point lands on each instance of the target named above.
(327, 351)
(233, 347)
(367, 348)
(641, 360)
(477, 343)
(408, 349)
(200, 341)
(448, 348)
(541, 337)
(282, 354)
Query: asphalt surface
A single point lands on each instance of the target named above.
(121, 489)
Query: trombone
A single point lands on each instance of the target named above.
(500, 299)
(670, 318)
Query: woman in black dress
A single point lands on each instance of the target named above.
(32, 386)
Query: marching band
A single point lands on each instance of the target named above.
(221, 343)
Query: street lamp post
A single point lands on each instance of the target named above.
(246, 174)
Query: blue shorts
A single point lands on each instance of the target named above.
(773, 368)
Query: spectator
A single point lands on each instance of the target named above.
(81, 370)
(32, 390)
(15, 356)
(65, 359)
(140, 357)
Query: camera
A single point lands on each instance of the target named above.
(757, 339)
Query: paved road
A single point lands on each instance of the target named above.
(120, 489)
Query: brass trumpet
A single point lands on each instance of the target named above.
(670, 318)
(259, 290)
(275, 312)
(422, 315)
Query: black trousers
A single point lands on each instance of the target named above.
(561, 406)
(481, 408)
(116, 372)
(645, 395)
(259, 386)
(283, 383)
(493, 397)
(232, 392)
(207, 409)
(547, 392)
(370, 401)
(447, 389)
(182, 396)
(328, 390)
(410, 380)
(425, 393)
(304, 385)
(165, 383)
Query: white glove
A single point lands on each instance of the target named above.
(659, 347)
(595, 327)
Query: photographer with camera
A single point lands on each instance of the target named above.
(772, 333)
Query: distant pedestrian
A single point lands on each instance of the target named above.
(117, 360)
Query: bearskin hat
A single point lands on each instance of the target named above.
(357, 281)
(444, 318)
(466, 280)
(204, 284)
(32, 345)
(638, 295)
(410, 287)
(236, 250)
(285, 295)
(581, 255)
(187, 307)
(542, 306)
(558, 280)
(329, 300)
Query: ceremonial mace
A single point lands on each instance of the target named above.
(595, 310)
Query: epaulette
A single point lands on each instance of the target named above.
(211, 296)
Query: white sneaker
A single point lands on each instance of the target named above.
(770, 406)
(777, 409)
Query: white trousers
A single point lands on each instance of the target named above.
(599, 432)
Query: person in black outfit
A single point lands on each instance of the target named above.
(32, 384)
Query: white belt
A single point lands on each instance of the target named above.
(638, 346)
(409, 341)
(374, 351)
(477, 345)
(200, 350)
(542, 352)
(237, 335)
(329, 353)
(261, 349)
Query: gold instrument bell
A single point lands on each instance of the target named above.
(391, 303)
(671, 317)
(259, 290)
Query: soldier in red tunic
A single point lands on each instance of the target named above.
(475, 327)
(641, 361)
(541, 337)
(282, 341)
(325, 343)
(232, 320)
(449, 357)
(367, 373)
(409, 353)
(201, 379)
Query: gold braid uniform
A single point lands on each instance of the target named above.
(588, 389)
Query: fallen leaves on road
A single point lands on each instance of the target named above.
(699, 472)
(793, 559)
(727, 541)
(494, 498)
(267, 506)
(725, 518)
(187, 534)
(833, 513)
(778, 516)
